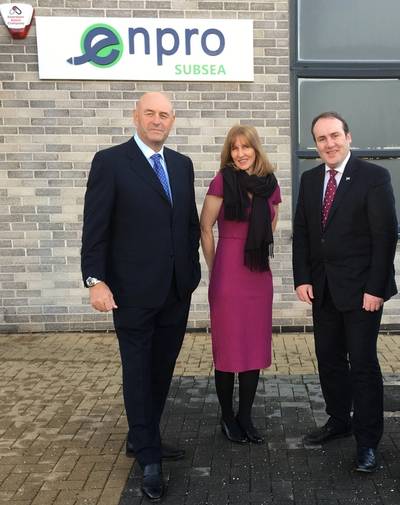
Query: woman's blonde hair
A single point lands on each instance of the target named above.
(261, 166)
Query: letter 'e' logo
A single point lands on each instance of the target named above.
(101, 46)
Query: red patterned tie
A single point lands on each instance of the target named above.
(329, 196)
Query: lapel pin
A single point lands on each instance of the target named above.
(347, 178)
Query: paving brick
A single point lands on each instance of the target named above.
(62, 431)
(45, 497)
(63, 485)
(13, 482)
(27, 492)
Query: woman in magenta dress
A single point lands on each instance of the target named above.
(243, 198)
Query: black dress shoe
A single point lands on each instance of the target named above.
(326, 433)
(251, 432)
(167, 452)
(366, 460)
(152, 483)
(171, 453)
(232, 431)
(130, 453)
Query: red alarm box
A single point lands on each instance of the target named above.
(18, 19)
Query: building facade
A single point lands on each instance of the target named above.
(50, 130)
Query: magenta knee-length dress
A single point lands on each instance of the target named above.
(240, 300)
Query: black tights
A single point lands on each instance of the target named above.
(248, 381)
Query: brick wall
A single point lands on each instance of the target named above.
(51, 129)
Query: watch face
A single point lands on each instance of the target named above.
(91, 281)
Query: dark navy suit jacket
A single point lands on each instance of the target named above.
(355, 251)
(133, 238)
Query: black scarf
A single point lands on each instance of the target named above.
(260, 241)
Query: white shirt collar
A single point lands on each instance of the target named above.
(340, 168)
(146, 150)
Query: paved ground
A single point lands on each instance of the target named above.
(62, 430)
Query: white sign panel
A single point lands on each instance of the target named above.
(145, 49)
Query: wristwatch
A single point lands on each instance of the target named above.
(92, 281)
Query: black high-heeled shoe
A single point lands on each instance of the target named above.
(232, 431)
(251, 432)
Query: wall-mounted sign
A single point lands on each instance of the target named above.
(18, 19)
(145, 49)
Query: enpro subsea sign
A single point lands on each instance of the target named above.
(145, 49)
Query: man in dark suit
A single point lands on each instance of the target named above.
(140, 259)
(344, 242)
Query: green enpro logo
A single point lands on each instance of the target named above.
(101, 46)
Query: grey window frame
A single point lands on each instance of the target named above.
(332, 70)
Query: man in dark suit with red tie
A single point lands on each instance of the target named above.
(140, 259)
(344, 242)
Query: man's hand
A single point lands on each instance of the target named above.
(101, 297)
(305, 293)
(372, 303)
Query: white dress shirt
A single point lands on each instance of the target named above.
(339, 169)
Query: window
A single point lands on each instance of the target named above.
(371, 106)
(345, 57)
(343, 30)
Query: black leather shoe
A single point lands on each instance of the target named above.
(250, 432)
(171, 453)
(232, 431)
(129, 450)
(366, 460)
(325, 433)
(152, 483)
(167, 452)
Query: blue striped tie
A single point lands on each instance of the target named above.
(158, 169)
